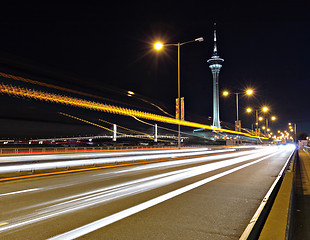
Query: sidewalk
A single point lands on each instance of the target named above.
(302, 205)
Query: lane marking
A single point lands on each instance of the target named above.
(3, 223)
(21, 191)
(78, 232)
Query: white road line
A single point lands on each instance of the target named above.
(21, 191)
(78, 232)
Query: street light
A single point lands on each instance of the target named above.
(248, 92)
(249, 110)
(263, 109)
(293, 129)
(158, 46)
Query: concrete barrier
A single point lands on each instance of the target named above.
(278, 224)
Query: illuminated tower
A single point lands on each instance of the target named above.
(215, 65)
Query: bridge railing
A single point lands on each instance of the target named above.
(42, 150)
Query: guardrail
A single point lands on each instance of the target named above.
(77, 149)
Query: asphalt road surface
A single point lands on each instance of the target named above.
(200, 197)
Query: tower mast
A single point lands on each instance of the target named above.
(215, 65)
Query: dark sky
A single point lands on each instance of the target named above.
(107, 49)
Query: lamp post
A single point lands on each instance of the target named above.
(248, 92)
(159, 46)
(258, 118)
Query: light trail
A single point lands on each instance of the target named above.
(97, 125)
(139, 170)
(18, 192)
(78, 232)
(88, 162)
(71, 156)
(138, 208)
(168, 129)
(131, 130)
(27, 80)
(126, 189)
(145, 168)
(76, 102)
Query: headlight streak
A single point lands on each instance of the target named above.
(78, 232)
(91, 105)
(89, 162)
(134, 187)
(177, 163)
(71, 156)
(18, 192)
(132, 171)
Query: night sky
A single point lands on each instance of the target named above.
(106, 50)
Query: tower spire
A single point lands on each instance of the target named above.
(215, 47)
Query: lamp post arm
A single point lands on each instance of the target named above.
(183, 43)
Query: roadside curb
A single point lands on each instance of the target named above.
(279, 221)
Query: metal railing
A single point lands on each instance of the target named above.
(43, 150)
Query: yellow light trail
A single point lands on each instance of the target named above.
(168, 129)
(97, 125)
(27, 80)
(76, 102)
(131, 130)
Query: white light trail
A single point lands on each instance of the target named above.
(134, 170)
(89, 162)
(78, 232)
(70, 156)
(103, 195)
(18, 192)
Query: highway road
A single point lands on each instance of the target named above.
(209, 196)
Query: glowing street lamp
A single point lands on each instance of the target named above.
(159, 46)
(265, 109)
(249, 110)
(225, 93)
(248, 92)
